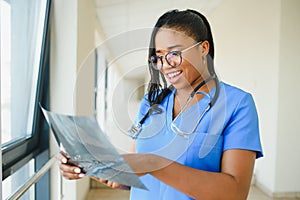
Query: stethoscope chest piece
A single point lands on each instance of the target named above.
(135, 130)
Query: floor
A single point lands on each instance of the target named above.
(110, 194)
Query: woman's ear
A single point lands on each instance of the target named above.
(205, 47)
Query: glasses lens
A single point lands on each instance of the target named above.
(174, 58)
(156, 62)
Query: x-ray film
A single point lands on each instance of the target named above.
(88, 147)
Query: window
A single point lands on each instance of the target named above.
(16, 180)
(24, 84)
(21, 40)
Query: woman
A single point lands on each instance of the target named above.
(197, 138)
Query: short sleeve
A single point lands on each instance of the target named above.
(242, 130)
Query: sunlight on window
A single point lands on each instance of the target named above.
(22, 25)
(22, 30)
(13, 182)
(5, 70)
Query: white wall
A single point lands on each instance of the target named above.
(256, 46)
(123, 107)
(74, 24)
(288, 159)
(247, 49)
(88, 26)
(62, 79)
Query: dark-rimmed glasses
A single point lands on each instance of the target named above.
(173, 58)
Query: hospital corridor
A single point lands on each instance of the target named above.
(172, 99)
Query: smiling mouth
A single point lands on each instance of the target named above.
(173, 74)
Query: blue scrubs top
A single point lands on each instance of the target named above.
(232, 123)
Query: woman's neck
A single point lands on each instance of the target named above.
(185, 92)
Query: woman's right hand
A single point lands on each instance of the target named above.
(68, 170)
(71, 172)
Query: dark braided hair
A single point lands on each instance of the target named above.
(193, 24)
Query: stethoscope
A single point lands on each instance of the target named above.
(135, 130)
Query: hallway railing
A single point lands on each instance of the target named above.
(32, 180)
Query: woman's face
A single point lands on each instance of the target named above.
(192, 69)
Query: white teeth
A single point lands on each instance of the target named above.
(173, 74)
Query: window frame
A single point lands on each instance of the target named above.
(19, 152)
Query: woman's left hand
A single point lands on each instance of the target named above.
(143, 164)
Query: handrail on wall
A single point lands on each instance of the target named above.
(32, 180)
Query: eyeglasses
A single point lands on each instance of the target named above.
(173, 58)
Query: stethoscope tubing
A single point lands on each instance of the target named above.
(135, 130)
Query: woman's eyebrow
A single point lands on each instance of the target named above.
(170, 48)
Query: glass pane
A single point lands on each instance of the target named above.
(22, 25)
(16, 180)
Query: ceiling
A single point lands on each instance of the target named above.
(127, 25)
